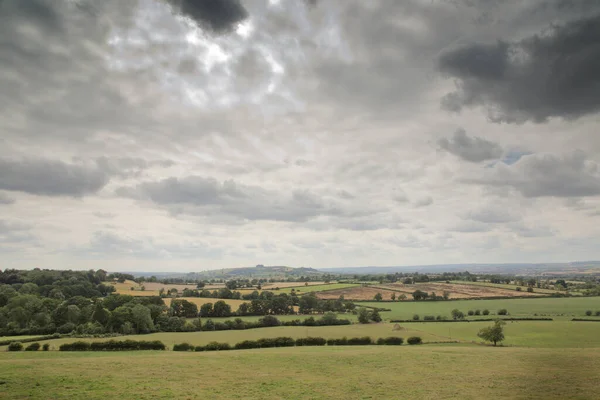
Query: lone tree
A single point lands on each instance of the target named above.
(378, 297)
(494, 333)
(363, 316)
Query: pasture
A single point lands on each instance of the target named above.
(543, 306)
(376, 372)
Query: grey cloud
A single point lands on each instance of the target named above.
(51, 178)
(424, 202)
(126, 166)
(544, 175)
(217, 15)
(13, 232)
(488, 215)
(526, 231)
(471, 227)
(203, 196)
(472, 149)
(552, 74)
(6, 200)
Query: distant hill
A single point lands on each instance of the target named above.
(570, 268)
(260, 271)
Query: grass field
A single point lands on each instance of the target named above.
(505, 286)
(548, 306)
(315, 288)
(370, 372)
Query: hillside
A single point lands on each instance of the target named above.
(260, 271)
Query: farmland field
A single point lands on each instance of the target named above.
(378, 372)
(505, 286)
(544, 306)
(357, 293)
(459, 290)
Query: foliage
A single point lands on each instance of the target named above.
(15, 346)
(502, 311)
(183, 347)
(311, 341)
(392, 340)
(494, 333)
(33, 347)
(414, 340)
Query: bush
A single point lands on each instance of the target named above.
(597, 313)
(126, 345)
(440, 318)
(502, 311)
(269, 320)
(519, 288)
(588, 313)
(311, 341)
(75, 346)
(15, 346)
(390, 341)
(529, 289)
(414, 340)
(416, 317)
(46, 347)
(429, 318)
(216, 346)
(183, 347)
(486, 312)
(477, 312)
(358, 341)
(33, 347)
(471, 312)
(247, 344)
(337, 342)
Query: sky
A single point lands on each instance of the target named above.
(186, 135)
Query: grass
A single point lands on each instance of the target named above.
(232, 337)
(370, 372)
(301, 317)
(314, 288)
(549, 306)
(19, 338)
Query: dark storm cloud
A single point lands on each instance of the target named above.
(208, 196)
(546, 175)
(51, 178)
(473, 149)
(552, 74)
(217, 15)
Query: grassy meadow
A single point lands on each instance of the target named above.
(370, 372)
(572, 307)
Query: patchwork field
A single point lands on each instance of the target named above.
(460, 290)
(282, 285)
(378, 372)
(365, 293)
(505, 286)
(543, 306)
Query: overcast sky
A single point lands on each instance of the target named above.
(184, 135)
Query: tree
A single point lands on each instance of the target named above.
(378, 297)
(530, 289)
(494, 333)
(100, 315)
(375, 317)
(363, 315)
(183, 308)
(456, 314)
(221, 309)
(141, 319)
(393, 296)
(206, 310)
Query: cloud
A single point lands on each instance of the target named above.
(544, 175)
(205, 196)
(216, 15)
(424, 202)
(489, 215)
(51, 178)
(14, 232)
(555, 73)
(6, 200)
(472, 149)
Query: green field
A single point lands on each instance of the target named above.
(545, 306)
(370, 372)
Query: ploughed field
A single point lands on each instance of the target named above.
(344, 372)
(456, 291)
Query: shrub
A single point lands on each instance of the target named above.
(33, 347)
(75, 346)
(502, 311)
(588, 313)
(15, 346)
(247, 344)
(390, 341)
(337, 342)
(311, 341)
(429, 318)
(597, 313)
(183, 347)
(471, 312)
(440, 318)
(216, 346)
(284, 342)
(486, 312)
(416, 317)
(358, 341)
(529, 289)
(414, 340)
(477, 312)
(46, 347)
(269, 320)
(519, 288)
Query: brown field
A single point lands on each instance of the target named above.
(199, 301)
(282, 285)
(356, 293)
(458, 291)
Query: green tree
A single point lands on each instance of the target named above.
(457, 314)
(101, 314)
(494, 333)
(378, 297)
(221, 309)
(363, 315)
(393, 296)
(183, 308)
(375, 317)
(206, 310)
(141, 319)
